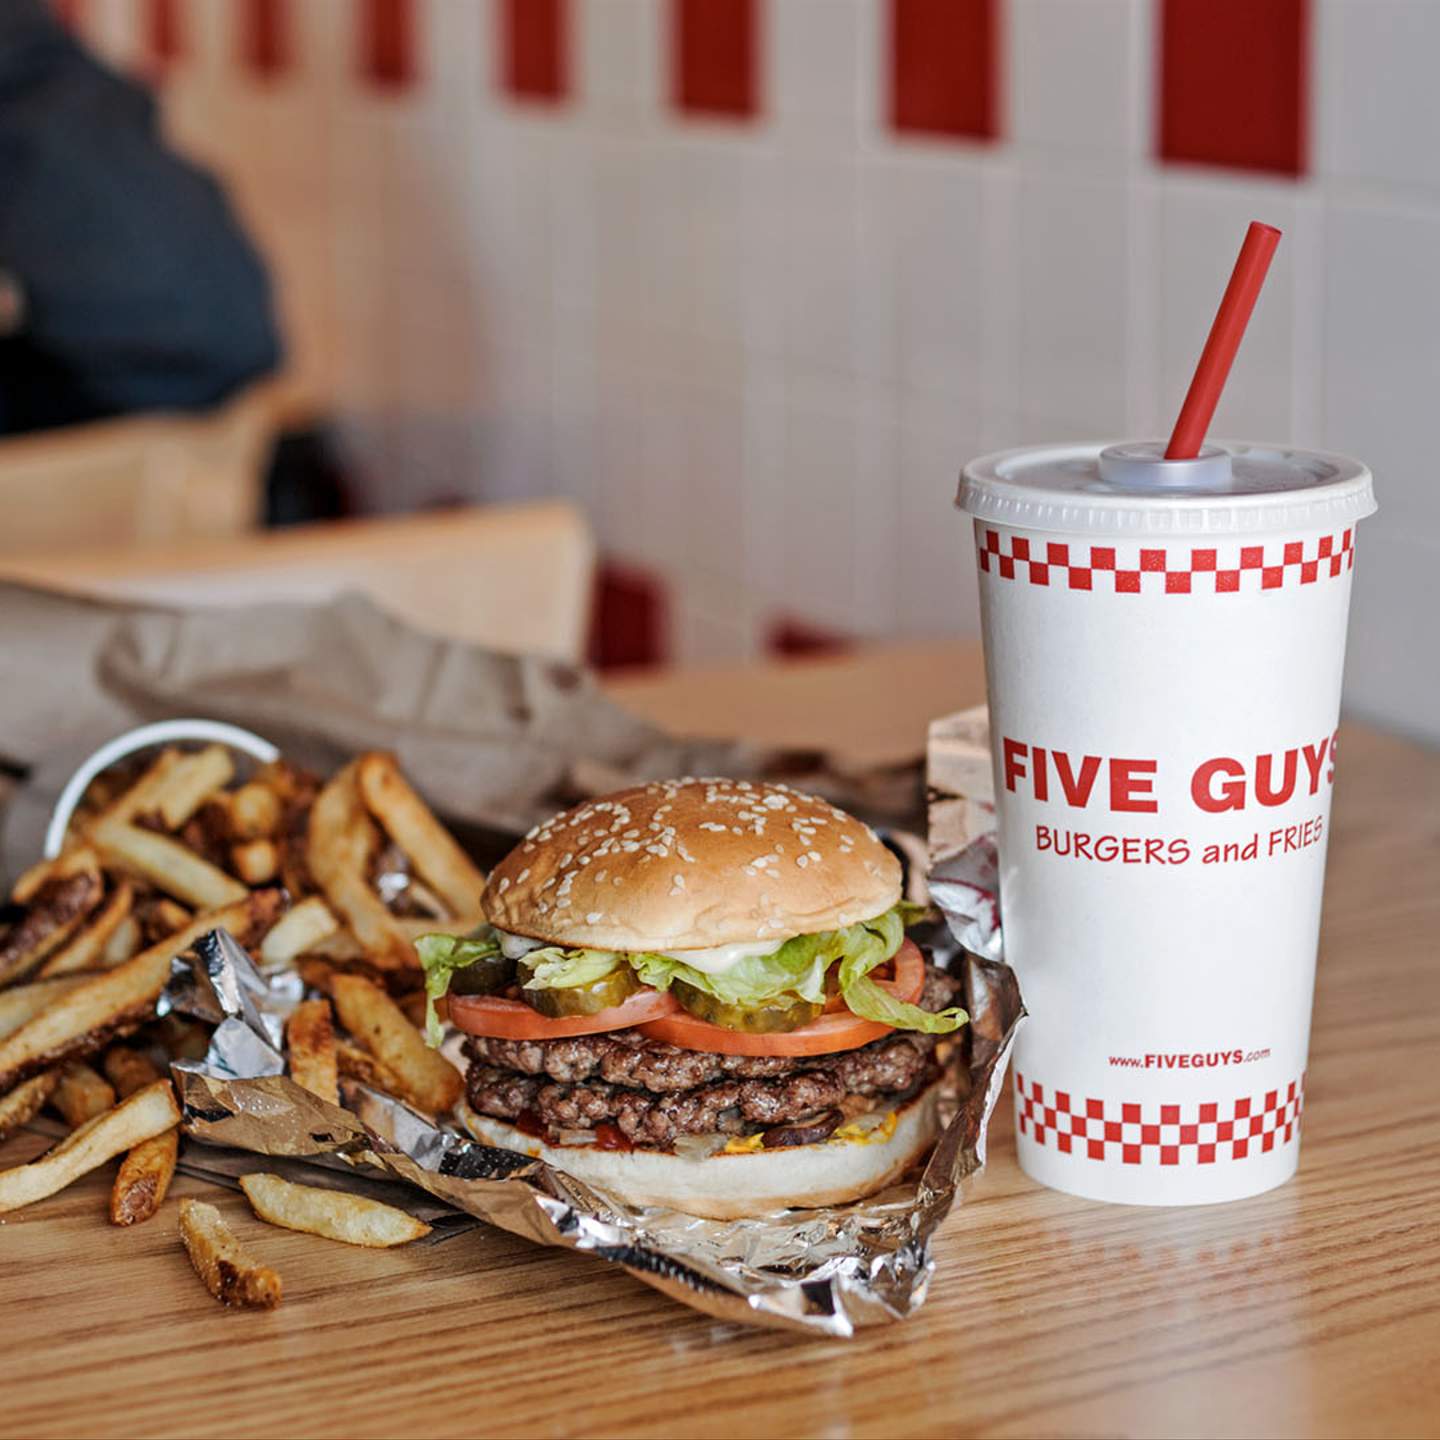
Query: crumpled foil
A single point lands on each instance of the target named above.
(827, 1271)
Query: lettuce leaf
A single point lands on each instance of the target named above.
(871, 944)
(797, 968)
(440, 957)
(553, 968)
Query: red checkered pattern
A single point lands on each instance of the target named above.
(1169, 1134)
(1178, 570)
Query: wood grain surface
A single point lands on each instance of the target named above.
(1313, 1310)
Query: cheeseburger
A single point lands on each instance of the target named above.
(699, 994)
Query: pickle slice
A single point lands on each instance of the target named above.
(486, 976)
(613, 988)
(784, 1012)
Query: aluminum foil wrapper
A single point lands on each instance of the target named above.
(827, 1271)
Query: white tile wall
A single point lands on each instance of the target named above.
(812, 56)
(1382, 354)
(1075, 77)
(1375, 115)
(620, 60)
(1074, 239)
(760, 353)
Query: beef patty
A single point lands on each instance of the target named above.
(654, 1092)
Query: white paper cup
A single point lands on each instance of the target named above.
(1163, 654)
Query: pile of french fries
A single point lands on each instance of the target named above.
(333, 880)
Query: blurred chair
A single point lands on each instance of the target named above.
(517, 578)
(138, 479)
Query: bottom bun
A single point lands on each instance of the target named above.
(732, 1186)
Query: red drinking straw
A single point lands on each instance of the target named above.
(1224, 340)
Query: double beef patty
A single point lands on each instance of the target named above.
(654, 1092)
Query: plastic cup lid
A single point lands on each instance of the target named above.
(1130, 489)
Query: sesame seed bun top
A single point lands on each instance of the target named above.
(687, 864)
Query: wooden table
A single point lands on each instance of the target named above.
(1314, 1310)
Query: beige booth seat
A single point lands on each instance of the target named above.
(516, 578)
(137, 479)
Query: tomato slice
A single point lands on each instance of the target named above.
(833, 1032)
(500, 1019)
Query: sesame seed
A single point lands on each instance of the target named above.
(522, 876)
(594, 917)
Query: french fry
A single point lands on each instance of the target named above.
(428, 1080)
(285, 780)
(81, 1094)
(24, 1002)
(166, 864)
(124, 943)
(342, 837)
(255, 811)
(23, 1103)
(310, 1042)
(191, 782)
(164, 916)
(176, 784)
(336, 1215)
(128, 1070)
(410, 823)
(69, 862)
(83, 1018)
(316, 972)
(87, 950)
(256, 862)
(182, 1038)
(417, 925)
(225, 1268)
(147, 1113)
(413, 1006)
(146, 1172)
(339, 948)
(357, 1064)
(144, 797)
(56, 912)
(300, 928)
(143, 1179)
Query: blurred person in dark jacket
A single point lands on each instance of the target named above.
(126, 282)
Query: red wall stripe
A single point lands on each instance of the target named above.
(715, 57)
(534, 48)
(165, 39)
(387, 46)
(945, 67)
(265, 37)
(1232, 83)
